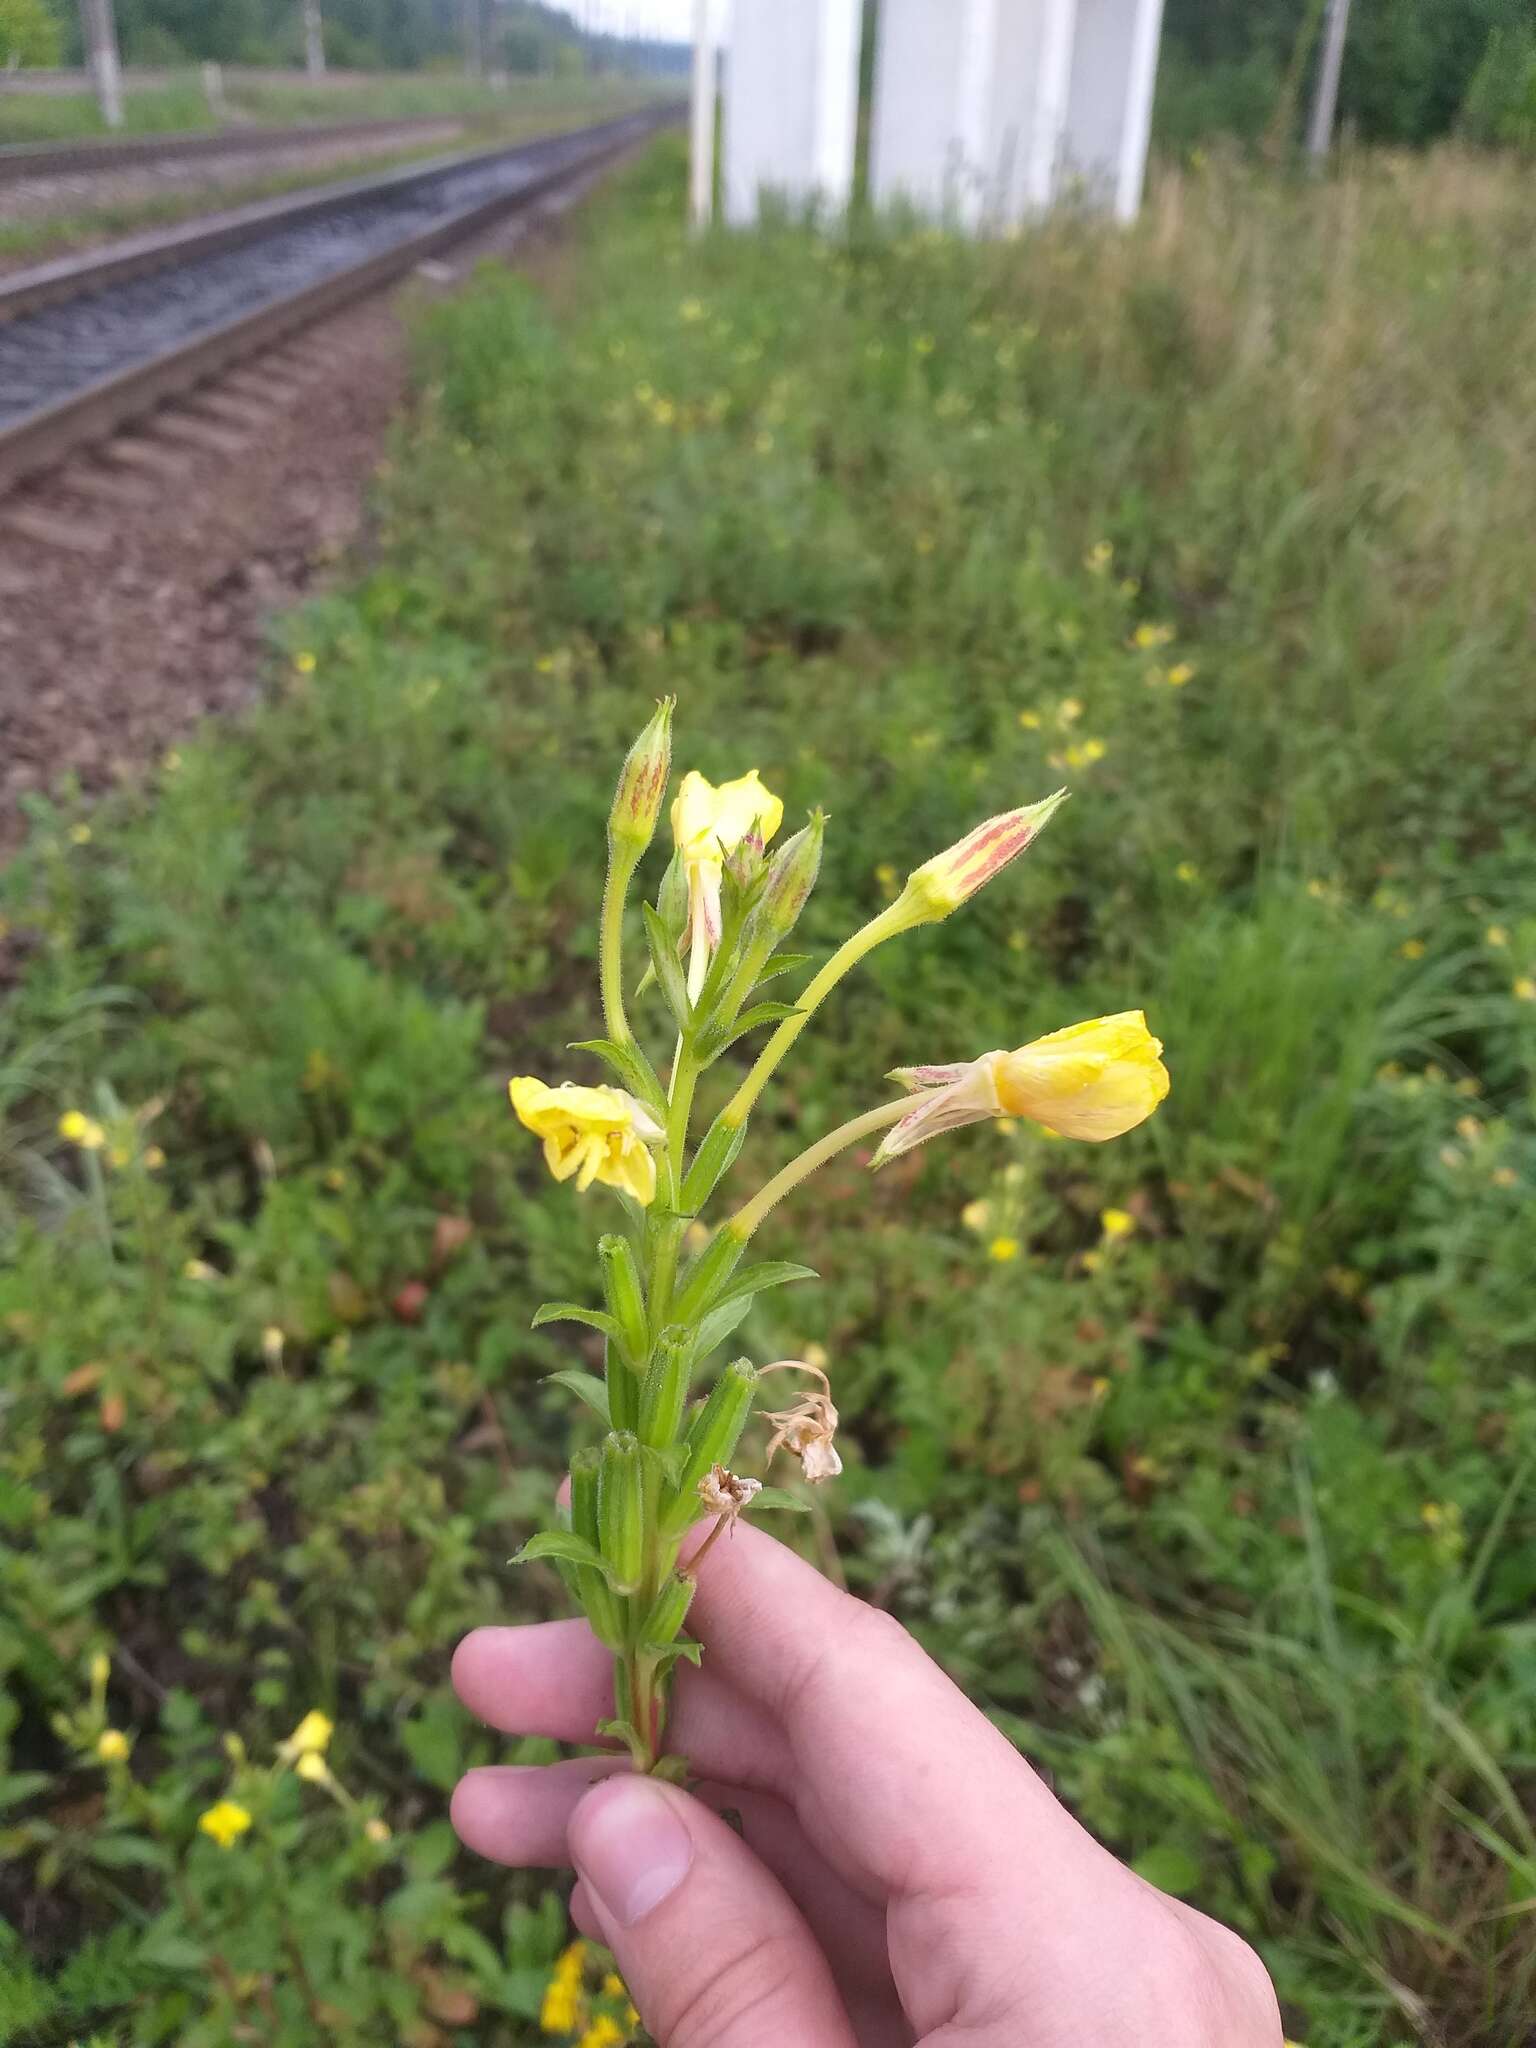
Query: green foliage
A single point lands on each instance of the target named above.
(29, 34)
(1204, 1459)
(1500, 106)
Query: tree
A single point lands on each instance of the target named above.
(29, 34)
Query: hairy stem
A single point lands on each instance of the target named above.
(746, 1219)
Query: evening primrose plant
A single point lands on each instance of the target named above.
(726, 908)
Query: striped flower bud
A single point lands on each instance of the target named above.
(643, 783)
(951, 878)
(621, 1510)
(664, 1391)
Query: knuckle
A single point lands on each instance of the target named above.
(1211, 1980)
(734, 2002)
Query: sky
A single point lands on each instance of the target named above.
(672, 18)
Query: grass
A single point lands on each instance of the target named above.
(1229, 1517)
(182, 107)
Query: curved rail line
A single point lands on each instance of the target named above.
(22, 160)
(89, 343)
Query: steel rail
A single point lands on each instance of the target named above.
(38, 440)
(19, 160)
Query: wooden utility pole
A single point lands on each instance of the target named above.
(98, 26)
(1325, 103)
(701, 150)
(314, 40)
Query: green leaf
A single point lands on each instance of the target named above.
(669, 972)
(781, 963)
(776, 1497)
(715, 1041)
(572, 1312)
(631, 1066)
(1170, 1867)
(718, 1325)
(586, 1386)
(563, 1547)
(667, 1654)
(770, 1273)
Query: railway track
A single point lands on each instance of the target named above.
(91, 343)
(20, 162)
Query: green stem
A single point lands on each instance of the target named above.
(746, 1220)
(610, 956)
(896, 917)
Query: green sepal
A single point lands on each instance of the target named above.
(624, 1296)
(586, 1386)
(621, 1511)
(669, 973)
(573, 1312)
(664, 1390)
(561, 1545)
(667, 1654)
(776, 1497)
(668, 1612)
(632, 1068)
(672, 900)
(627, 1733)
(623, 1389)
(718, 1038)
(714, 1159)
(672, 1770)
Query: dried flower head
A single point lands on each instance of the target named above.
(727, 1493)
(807, 1427)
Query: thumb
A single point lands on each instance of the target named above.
(713, 1952)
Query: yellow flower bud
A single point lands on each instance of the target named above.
(951, 878)
(225, 1822)
(1093, 1081)
(311, 1736)
(112, 1746)
(643, 781)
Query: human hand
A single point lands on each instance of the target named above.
(902, 1874)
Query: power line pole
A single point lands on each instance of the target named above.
(701, 144)
(98, 26)
(314, 40)
(1325, 103)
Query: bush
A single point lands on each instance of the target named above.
(29, 34)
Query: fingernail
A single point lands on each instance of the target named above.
(631, 1848)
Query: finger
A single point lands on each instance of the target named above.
(714, 1953)
(868, 1717)
(518, 1813)
(554, 1678)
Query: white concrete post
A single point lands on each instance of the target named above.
(314, 40)
(701, 142)
(98, 25)
(970, 105)
(791, 103)
(1109, 111)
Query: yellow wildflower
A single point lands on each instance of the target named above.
(614, 1986)
(1147, 637)
(225, 1823)
(691, 310)
(1093, 1081)
(561, 2011)
(1099, 557)
(1524, 989)
(80, 834)
(1186, 871)
(304, 663)
(603, 2033)
(976, 1216)
(1181, 673)
(1069, 711)
(1496, 935)
(709, 822)
(1412, 949)
(1030, 720)
(592, 1133)
(1504, 1177)
(377, 1831)
(1116, 1223)
(1092, 1261)
(311, 1737)
(112, 1746)
(313, 1768)
(154, 1158)
(1003, 1249)
(82, 1130)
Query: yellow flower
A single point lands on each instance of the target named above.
(226, 1823)
(691, 310)
(112, 1746)
(603, 2033)
(1092, 1081)
(1496, 935)
(304, 663)
(82, 1130)
(377, 1830)
(1003, 1249)
(1116, 1223)
(1186, 871)
(561, 2011)
(154, 1158)
(594, 1133)
(1069, 711)
(311, 1737)
(80, 834)
(707, 824)
(1180, 674)
(1030, 720)
(1412, 949)
(1525, 989)
(1099, 557)
(976, 1216)
(1146, 637)
(313, 1768)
